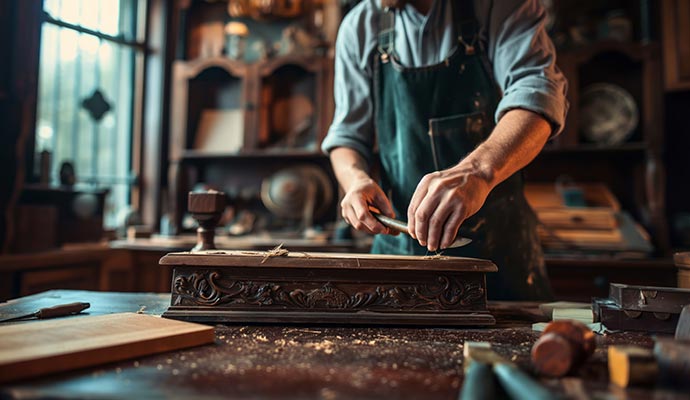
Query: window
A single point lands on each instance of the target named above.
(89, 94)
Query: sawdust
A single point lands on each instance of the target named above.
(261, 338)
(326, 346)
(277, 251)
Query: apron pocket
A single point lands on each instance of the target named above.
(452, 138)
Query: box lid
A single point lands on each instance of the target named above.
(281, 258)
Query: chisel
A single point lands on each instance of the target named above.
(53, 312)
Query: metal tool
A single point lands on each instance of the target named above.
(53, 312)
(683, 327)
(479, 383)
(401, 227)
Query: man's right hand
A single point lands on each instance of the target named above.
(362, 194)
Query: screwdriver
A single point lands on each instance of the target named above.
(53, 312)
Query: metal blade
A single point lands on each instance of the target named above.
(25, 316)
(401, 227)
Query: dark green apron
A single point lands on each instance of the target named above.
(428, 119)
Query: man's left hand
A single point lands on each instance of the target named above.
(443, 200)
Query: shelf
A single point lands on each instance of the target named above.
(634, 50)
(632, 147)
(200, 156)
(591, 261)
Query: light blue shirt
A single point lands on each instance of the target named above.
(512, 32)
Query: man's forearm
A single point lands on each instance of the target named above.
(348, 166)
(516, 140)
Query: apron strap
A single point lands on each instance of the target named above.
(466, 24)
(386, 33)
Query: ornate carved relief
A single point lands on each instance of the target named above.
(207, 288)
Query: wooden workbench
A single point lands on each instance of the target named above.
(317, 362)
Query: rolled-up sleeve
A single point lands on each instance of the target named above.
(353, 124)
(524, 62)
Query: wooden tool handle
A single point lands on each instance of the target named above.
(61, 310)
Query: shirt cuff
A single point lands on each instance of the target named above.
(344, 138)
(553, 108)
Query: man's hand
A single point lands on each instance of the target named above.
(363, 193)
(360, 192)
(443, 200)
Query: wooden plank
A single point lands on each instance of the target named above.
(600, 213)
(583, 315)
(649, 298)
(682, 259)
(578, 218)
(41, 347)
(250, 259)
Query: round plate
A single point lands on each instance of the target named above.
(285, 193)
(608, 114)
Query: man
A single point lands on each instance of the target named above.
(425, 80)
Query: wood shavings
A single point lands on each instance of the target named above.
(437, 256)
(305, 254)
(277, 251)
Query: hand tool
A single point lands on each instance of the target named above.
(516, 383)
(401, 227)
(683, 327)
(632, 366)
(673, 358)
(563, 347)
(53, 312)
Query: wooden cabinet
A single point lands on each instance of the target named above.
(225, 107)
(233, 122)
(85, 267)
(632, 168)
(675, 23)
(581, 279)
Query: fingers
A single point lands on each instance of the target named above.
(450, 230)
(366, 220)
(356, 204)
(437, 221)
(429, 215)
(383, 204)
(435, 213)
(419, 195)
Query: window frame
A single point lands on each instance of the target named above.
(140, 43)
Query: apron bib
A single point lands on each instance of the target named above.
(428, 118)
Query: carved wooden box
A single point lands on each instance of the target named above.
(324, 288)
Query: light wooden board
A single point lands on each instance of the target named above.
(600, 214)
(36, 348)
